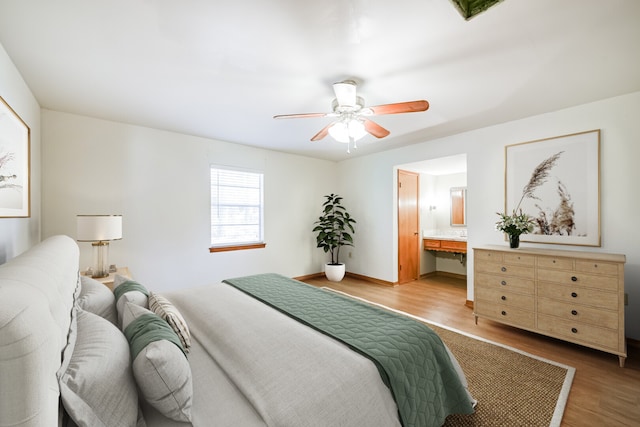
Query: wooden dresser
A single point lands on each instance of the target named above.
(570, 295)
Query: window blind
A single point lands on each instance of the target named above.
(236, 207)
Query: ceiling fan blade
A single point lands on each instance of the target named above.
(400, 107)
(323, 132)
(375, 129)
(299, 116)
(345, 93)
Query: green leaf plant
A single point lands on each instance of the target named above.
(334, 227)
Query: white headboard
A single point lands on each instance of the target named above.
(36, 297)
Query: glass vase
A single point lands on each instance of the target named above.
(514, 240)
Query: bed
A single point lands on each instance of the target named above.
(229, 354)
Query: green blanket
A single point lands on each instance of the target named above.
(410, 357)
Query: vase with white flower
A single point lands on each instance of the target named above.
(514, 225)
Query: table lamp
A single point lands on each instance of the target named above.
(99, 229)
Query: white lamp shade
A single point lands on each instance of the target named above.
(342, 130)
(96, 228)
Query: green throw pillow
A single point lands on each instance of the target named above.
(160, 366)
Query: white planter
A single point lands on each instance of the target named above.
(334, 273)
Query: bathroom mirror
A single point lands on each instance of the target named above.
(458, 196)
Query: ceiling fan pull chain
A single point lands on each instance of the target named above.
(351, 141)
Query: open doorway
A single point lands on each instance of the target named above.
(441, 181)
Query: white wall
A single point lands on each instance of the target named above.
(369, 182)
(19, 234)
(159, 182)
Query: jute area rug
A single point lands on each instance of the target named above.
(513, 388)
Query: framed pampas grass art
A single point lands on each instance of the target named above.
(556, 181)
(14, 164)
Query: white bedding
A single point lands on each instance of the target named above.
(251, 365)
(285, 374)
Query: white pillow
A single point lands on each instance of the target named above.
(96, 298)
(160, 368)
(96, 381)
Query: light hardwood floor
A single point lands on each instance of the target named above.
(602, 394)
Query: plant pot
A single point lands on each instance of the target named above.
(334, 272)
(514, 241)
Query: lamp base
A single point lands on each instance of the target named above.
(100, 259)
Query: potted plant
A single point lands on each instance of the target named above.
(333, 228)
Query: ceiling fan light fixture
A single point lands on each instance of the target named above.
(347, 130)
(345, 93)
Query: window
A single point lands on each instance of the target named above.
(236, 209)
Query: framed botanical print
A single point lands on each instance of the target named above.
(15, 185)
(556, 181)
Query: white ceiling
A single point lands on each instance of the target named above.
(223, 69)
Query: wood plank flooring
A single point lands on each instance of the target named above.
(602, 394)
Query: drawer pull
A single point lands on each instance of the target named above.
(503, 283)
(574, 279)
(504, 313)
(574, 330)
(574, 295)
(574, 312)
(503, 298)
(503, 269)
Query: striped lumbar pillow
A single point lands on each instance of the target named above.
(163, 308)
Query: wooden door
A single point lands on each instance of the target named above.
(408, 226)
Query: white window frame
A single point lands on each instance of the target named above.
(249, 243)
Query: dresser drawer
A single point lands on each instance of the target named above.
(504, 269)
(546, 262)
(578, 295)
(576, 331)
(502, 282)
(511, 299)
(527, 260)
(482, 255)
(505, 314)
(578, 313)
(597, 267)
(578, 278)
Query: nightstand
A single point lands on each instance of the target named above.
(108, 281)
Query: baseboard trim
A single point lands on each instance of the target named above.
(370, 279)
(309, 276)
(444, 274)
(387, 283)
(347, 274)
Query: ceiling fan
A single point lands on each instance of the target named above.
(352, 122)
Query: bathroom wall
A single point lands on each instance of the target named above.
(435, 219)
